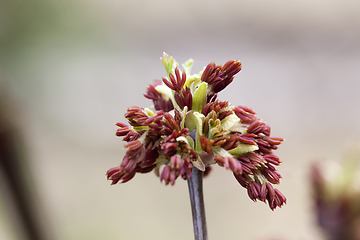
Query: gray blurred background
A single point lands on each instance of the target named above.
(69, 69)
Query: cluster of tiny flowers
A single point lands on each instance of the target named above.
(190, 127)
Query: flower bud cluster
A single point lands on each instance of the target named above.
(191, 128)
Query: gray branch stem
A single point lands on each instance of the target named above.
(195, 184)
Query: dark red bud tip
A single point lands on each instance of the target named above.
(111, 171)
(232, 67)
(122, 125)
(242, 179)
(247, 139)
(281, 196)
(253, 190)
(165, 175)
(208, 71)
(271, 192)
(256, 127)
(274, 140)
(263, 192)
(273, 159)
(178, 77)
(173, 82)
(167, 83)
(255, 158)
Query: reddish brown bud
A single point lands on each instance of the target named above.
(256, 127)
(253, 190)
(270, 192)
(246, 114)
(255, 158)
(247, 139)
(274, 140)
(229, 163)
(273, 159)
(206, 75)
(271, 176)
(231, 67)
(242, 179)
(263, 192)
(206, 144)
(165, 175)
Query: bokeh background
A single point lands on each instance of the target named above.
(69, 69)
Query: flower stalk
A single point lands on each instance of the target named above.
(195, 184)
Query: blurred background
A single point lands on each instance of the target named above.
(69, 69)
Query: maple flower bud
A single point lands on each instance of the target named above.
(190, 128)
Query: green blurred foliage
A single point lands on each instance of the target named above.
(24, 21)
(24, 24)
